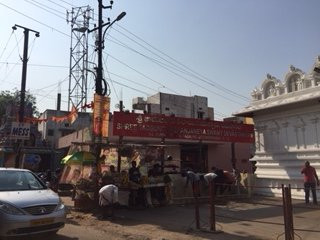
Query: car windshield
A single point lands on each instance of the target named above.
(19, 181)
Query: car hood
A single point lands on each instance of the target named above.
(23, 199)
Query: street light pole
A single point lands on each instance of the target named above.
(99, 49)
(100, 45)
(99, 89)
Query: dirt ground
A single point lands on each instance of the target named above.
(238, 219)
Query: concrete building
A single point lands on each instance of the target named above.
(177, 105)
(51, 131)
(198, 154)
(286, 115)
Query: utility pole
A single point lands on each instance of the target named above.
(100, 91)
(24, 68)
(99, 49)
(100, 44)
(23, 81)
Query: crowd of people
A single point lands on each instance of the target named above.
(108, 184)
(221, 179)
(141, 191)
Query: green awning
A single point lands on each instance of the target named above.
(80, 158)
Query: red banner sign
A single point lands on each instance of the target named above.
(161, 126)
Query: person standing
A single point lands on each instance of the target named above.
(310, 181)
(134, 173)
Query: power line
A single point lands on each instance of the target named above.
(68, 36)
(57, 4)
(52, 28)
(159, 63)
(105, 64)
(124, 78)
(14, 48)
(151, 96)
(6, 44)
(17, 42)
(66, 3)
(142, 74)
(39, 5)
(180, 76)
(183, 65)
(32, 45)
(120, 43)
(36, 65)
(8, 74)
(56, 83)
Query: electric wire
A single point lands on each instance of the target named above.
(127, 79)
(5, 47)
(66, 3)
(36, 65)
(17, 42)
(31, 48)
(142, 74)
(57, 4)
(46, 6)
(46, 25)
(14, 48)
(183, 65)
(176, 67)
(35, 3)
(147, 94)
(180, 76)
(105, 64)
(68, 36)
(8, 74)
(181, 70)
(141, 45)
(54, 84)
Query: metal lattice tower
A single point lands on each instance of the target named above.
(79, 18)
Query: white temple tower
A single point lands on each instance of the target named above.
(286, 116)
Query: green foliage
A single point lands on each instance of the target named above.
(13, 98)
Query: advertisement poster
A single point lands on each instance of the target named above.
(101, 115)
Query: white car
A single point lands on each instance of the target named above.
(27, 205)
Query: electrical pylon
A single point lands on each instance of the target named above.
(79, 17)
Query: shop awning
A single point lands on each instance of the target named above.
(79, 157)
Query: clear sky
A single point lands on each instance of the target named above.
(227, 43)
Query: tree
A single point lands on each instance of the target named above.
(12, 98)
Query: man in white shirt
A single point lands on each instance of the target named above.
(108, 196)
(209, 177)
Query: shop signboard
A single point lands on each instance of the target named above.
(20, 131)
(161, 126)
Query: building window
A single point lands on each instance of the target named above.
(167, 109)
(200, 115)
(50, 132)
